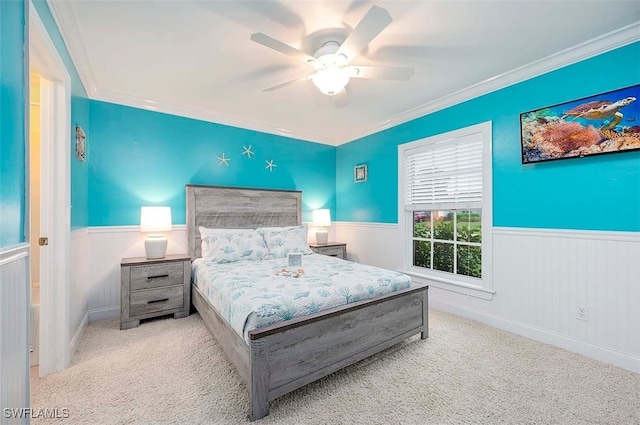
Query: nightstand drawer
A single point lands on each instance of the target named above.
(154, 300)
(156, 275)
(332, 251)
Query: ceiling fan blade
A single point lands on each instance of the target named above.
(367, 29)
(288, 83)
(383, 72)
(340, 99)
(281, 47)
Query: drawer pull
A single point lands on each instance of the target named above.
(157, 277)
(158, 301)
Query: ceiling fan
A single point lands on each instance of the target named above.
(331, 62)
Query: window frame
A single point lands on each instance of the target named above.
(479, 287)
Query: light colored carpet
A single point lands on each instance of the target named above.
(173, 372)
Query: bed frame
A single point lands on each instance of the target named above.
(288, 355)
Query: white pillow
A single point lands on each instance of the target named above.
(230, 245)
(205, 232)
(284, 240)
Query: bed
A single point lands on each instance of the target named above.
(276, 359)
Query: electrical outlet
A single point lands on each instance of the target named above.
(582, 313)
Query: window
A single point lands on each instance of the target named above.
(445, 207)
(449, 241)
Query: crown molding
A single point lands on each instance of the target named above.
(613, 40)
(66, 20)
(209, 116)
(65, 17)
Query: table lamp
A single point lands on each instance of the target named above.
(154, 220)
(322, 218)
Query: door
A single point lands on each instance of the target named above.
(55, 134)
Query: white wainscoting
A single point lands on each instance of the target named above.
(79, 288)
(107, 247)
(109, 244)
(14, 329)
(376, 244)
(540, 278)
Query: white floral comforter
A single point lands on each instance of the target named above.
(254, 294)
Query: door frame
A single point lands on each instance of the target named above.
(55, 179)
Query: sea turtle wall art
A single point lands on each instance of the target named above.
(604, 123)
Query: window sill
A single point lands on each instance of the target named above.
(452, 285)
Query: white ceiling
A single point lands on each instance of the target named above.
(195, 58)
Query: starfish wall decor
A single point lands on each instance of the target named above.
(224, 160)
(247, 151)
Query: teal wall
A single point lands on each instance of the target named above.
(592, 193)
(144, 157)
(79, 169)
(12, 122)
(79, 116)
(140, 157)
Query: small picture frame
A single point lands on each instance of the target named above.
(360, 173)
(294, 260)
(81, 143)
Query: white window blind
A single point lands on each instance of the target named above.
(444, 175)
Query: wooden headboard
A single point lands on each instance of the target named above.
(238, 208)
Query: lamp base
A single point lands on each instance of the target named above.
(155, 246)
(322, 236)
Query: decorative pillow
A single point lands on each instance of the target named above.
(284, 240)
(206, 232)
(230, 245)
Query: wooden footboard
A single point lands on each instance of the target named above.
(289, 355)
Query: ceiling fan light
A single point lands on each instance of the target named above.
(328, 48)
(330, 81)
(341, 59)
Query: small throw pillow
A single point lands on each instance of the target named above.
(284, 240)
(230, 245)
(206, 232)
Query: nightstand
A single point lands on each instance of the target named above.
(332, 249)
(151, 288)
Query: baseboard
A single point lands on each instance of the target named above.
(615, 358)
(104, 313)
(73, 345)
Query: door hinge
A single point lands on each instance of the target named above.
(43, 241)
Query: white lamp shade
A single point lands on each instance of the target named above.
(155, 219)
(322, 217)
